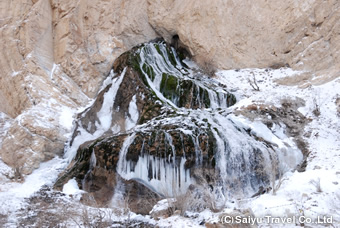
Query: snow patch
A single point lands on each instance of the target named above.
(105, 113)
(104, 116)
(15, 73)
(133, 116)
(14, 199)
(71, 188)
(298, 192)
(66, 118)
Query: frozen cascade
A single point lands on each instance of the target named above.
(168, 139)
(122, 162)
(190, 130)
(93, 163)
(132, 119)
(159, 174)
(167, 179)
(104, 116)
(170, 79)
(236, 153)
(151, 58)
(198, 151)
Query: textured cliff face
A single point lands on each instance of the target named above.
(89, 35)
(236, 34)
(56, 53)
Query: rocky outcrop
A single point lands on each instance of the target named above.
(230, 34)
(167, 128)
(30, 93)
(55, 56)
(89, 36)
(131, 99)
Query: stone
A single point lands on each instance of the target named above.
(89, 36)
(172, 149)
(57, 53)
(260, 34)
(162, 209)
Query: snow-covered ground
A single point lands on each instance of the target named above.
(299, 194)
(310, 197)
(12, 195)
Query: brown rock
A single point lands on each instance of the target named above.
(90, 35)
(302, 34)
(84, 38)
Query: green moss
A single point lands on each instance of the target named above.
(182, 92)
(169, 85)
(134, 60)
(158, 49)
(185, 92)
(172, 57)
(149, 71)
(181, 56)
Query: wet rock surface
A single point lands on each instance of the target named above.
(156, 129)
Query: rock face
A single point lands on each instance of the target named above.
(55, 54)
(231, 34)
(89, 36)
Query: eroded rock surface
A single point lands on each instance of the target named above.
(230, 34)
(55, 56)
(167, 127)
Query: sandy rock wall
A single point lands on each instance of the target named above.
(89, 35)
(11, 59)
(239, 34)
(54, 56)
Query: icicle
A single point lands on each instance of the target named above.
(198, 152)
(221, 156)
(122, 167)
(168, 138)
(236, 150)
(93, 160)
(214, 101)
(167, 179)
